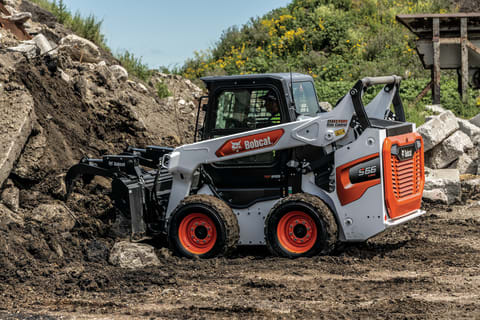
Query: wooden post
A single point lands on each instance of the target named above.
(436, 61)
(464, 73)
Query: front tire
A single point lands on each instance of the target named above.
(203, 226)
(300, 225)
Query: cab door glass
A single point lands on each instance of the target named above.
(305, 98)
(245, 110)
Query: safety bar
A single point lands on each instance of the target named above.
(356, 94)
(373, 81)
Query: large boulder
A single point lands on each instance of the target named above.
(442, 185)
(29, 165)
(11, 196)
(435, 108)
(54, 214)
(119, 72)
(42, 43)
(470, 187)
(465, 165)
(448, 151)
(80, 49)
(476, 120)
(133, 255)
(16, 107)
(7, 217)
(438, 129)
(28, 48)
(470, 130)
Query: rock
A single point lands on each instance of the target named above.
(438, 129)
(28, 48)
(326, 106)
(65, 77)
(102, 64)
(470, 188)
(20, 17)
(15, 127)
(11, 3)
(435, 195)
(11, 196)
(442, 185)
(435, 108)
(54, 214)
(142, 87)
(133, 255)
(119, 73)
(448, 151)
(42, 43)
(7, 217)
(29, 165)
(470, 130)
(465, 164)
(476, 120)
(80, 49)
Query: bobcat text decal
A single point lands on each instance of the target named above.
(249, 143)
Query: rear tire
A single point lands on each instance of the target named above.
(300, 225)
(203, 226)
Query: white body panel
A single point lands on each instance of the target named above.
(357, 220)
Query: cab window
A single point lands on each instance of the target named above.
(305, 98)
(245, 109)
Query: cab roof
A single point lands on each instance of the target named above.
(258, 78)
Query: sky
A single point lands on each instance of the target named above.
(167, 32)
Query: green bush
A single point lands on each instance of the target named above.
(134, 65)
(162, 90)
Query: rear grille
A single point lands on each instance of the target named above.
(403, 173)
(406, 176)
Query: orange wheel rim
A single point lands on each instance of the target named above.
(197, 233)
(297, 232)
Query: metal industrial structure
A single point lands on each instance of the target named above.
(447, 41)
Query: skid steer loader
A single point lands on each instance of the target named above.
(293, 177)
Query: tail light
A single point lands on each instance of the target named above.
(404, 174)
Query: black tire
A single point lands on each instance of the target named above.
(219, 232)
(301, 217)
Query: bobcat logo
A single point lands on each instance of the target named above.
(236, 146)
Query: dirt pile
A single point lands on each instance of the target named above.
(57, 108)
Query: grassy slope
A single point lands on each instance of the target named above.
(337, 42)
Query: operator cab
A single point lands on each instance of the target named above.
(248, 102)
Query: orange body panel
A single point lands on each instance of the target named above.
(348, 192)
(404, 179)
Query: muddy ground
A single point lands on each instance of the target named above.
(429, 268)
(426, 269)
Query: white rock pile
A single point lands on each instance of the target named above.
(451, 153)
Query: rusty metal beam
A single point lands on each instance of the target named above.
(436, 61)
(464, 48)
(450, 40)
(472, 47)
(422, 94)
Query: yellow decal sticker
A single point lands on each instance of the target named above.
(339, 132)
